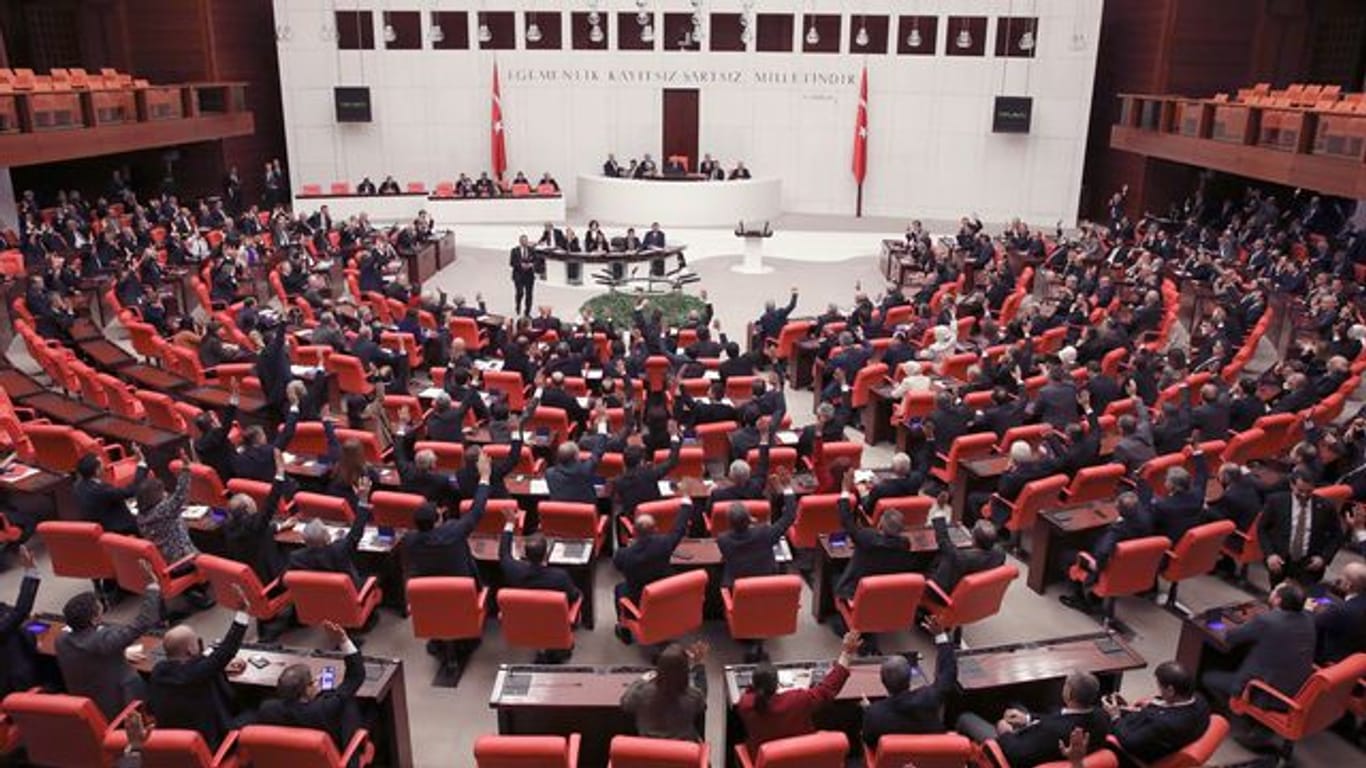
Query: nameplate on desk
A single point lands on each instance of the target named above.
(194, 512)
(666, 487)
(373, 540)
(787, 437)
(570, 552)
(430, 393)
(538, 487)
(782, 552)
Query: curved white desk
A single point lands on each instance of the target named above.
(638, 202)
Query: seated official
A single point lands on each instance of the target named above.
(91, 654)
(20, 665)
(907, 710)
(534, 573)
(573, 479)
(249, 533)
(299, 703)
(1150, 730)
(770, 714)
(1341, 624)
(664, 704)
(365, 187)
(747, 548)
(740, 172)
(188, 689)
(1027, 738)
(639, 481)
(744, 484)
(1280, 649)
(877, 551)
(389, 186)
(321, 553)
(654, 238)
(954, 562)
(444, 549)
(419, 474)
(1241, 498)
(611, 167)
(547, 182)
(903, 482)
(1132, 522)
(646, 559)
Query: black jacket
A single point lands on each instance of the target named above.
(1240, 502)
(954, 563)
(332, 711)
(575, 481)
(1155, 731)
(875, 554)
(646, 560)
(18, 652)
(250, 539)
(1341, 630)
(334, 557)
(107, 505)
(892, 488)
(1038, 742)
(915, 711)
(751, 553)
(640, 484)
(440, 488)
(1275, 530)
(1281, 649)
(195, 695)
(521, 574)
(445, 550)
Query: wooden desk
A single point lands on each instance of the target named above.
(843, 714)
(1032, 674)
(975, 475)
(159, 446)
(154, 379)
(484, 548)
(41, 496)
(830, 560)
(1079, 525)
(83, 328)
(250, 410)
(105, 354)
(18, 384)
(384, 688)
(560, 700)
(1203, 642)
(877, 415)
(63, 410)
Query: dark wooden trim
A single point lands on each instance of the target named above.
(53, 146)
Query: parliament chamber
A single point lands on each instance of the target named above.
(884, 384)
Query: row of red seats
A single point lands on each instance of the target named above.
(443, 189)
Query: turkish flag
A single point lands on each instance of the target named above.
(861, 131)
(498, 148)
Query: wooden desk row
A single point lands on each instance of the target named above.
(384, 690)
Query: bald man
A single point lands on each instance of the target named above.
(647, 558)
(1341, 625)
(907, 710)
(188, 690)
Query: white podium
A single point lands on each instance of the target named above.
(677, 203)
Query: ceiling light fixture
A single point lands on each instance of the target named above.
(813, 37)
(390, 34)
(595, 34)
(1027, 40)
(861, 39)
(914, 39)
(485, 34)
(964, 36)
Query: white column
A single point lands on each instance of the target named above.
(9, 206)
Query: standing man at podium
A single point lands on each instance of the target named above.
(524, 263)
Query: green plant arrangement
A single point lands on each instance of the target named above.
(617, 307)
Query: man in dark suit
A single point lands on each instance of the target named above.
(300, 702)
(1056, 401)
(1030, 739)
(1135, 444)
(418, 473)
(102, 503)
(19, 661)
(1103, 389)
(444, 550)
(1241, 500)
(572, 479)
(611, 167)
(745, 483)
(654, 238)
(1211, 416)
(533, 573)
(90, 655)
(904, 481)
(273, 369)
(1299, 532)
(1183, 506)
(1160, 726)
(525, 264)
(747, 548)
(948, 421)
(639, 481)
(1280, 649)
(321, 553)
(1003, 413)
(1341, 624)
(954, 562)
(646, 559)
(188, 689)
(907, 710)
(773, 319)
(877, 551)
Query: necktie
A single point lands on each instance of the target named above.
(1299, 529)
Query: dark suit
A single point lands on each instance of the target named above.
(575, 481)
(954, 563)
(1212, 418)
(892, 488)
(915, 711)
(1240, 502)
(1280, 653)
(194, 694)
(1173, 515)
(1341, 629)
(92, 661)
(653, 239)
(525, 264)
(437, 487)
(336, 556)
(647, 558)
(107, 505)
(445, 549)
(1157, 730)
(751, 553)
(18, 653)
(250, 539)
(332, 711)
(640, 484)
(522, 574)
(1038, 742)
(1056, 404)
(875, 554)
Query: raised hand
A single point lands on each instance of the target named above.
(241, 595)
(485, 466)
(850, 642)
(335, 633)
(148, 571)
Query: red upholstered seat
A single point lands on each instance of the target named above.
(395, 510)
(1131, 569)
(569, 520)
(669, 608)
(525, 751)
(1319, 703)
(60, 731)
(977, 596)
(1200, 751)
(884, 603)
(638, 752)
(822, 749)
(320, 597)
(273, 746)
(948, 750)
(264, 601)
(1196, 553)
(171, 748)
(74, 549)
(964, 448)
(127, 554)
(760, 607)
(446, 609)
(816, 514)
(718, 521)
(537, 618)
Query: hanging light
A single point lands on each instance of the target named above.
(1027, 40)
(390, 34)
(533, 30)
(861, 39)
(813, 37)
(594, 18)
(437, 34)
(485, 34)
(964, 39)
(647, 33)
(914, 40)
(643, 18)
(595, 34)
